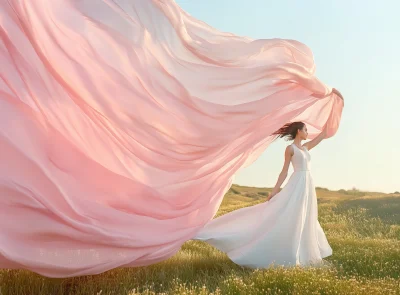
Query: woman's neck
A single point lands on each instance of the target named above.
(297, 141)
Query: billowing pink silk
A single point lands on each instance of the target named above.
(123, 122)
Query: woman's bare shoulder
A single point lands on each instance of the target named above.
(289, 149)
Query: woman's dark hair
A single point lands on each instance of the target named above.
(289, 130)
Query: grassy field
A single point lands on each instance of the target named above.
(363, 229)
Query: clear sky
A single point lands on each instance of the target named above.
(356, 45)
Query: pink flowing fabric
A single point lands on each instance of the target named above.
(123, 123)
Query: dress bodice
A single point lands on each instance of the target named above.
(300, 159)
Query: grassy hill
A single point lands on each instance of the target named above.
(363, 229)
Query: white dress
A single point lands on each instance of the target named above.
(283, 231)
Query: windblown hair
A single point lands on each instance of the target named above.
(289, 130)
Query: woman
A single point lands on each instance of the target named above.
(285, 230)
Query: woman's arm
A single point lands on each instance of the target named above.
(312, 143)
(284, 172)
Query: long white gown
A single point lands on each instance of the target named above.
(283, 231)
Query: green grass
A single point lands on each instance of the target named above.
(363, 229)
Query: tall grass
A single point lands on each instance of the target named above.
(363, 229)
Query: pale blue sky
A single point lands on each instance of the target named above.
(356, 45)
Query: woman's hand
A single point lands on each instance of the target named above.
(334, 90)
(271, 195)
